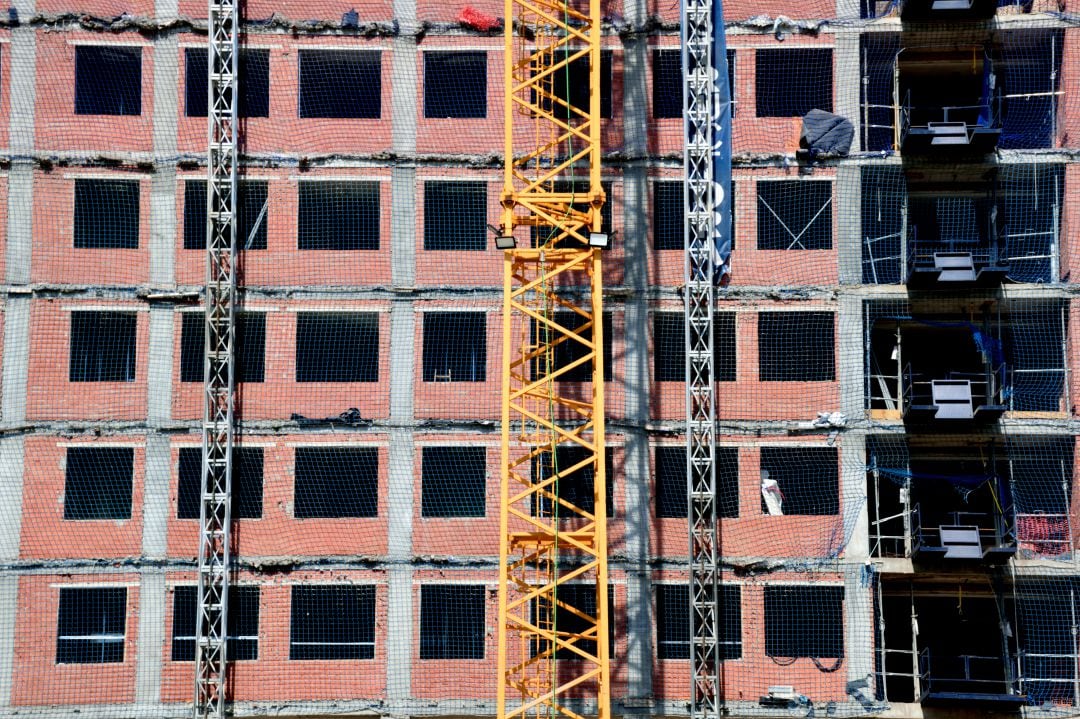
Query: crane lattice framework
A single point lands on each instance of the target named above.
(218, 377)
(702, 72)
(551, 304)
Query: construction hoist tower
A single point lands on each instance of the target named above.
(553, 576)
(218, 370)
(706, 104)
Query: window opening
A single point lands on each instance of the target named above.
(253, 83)
(569, 351)
(453, 481)
(455, 84)
(455, 215)
(250, 339)
(332, 622)
(251, 217)
(102, 346)
(791, 83)
(452, 621)
(337, 347)
(796, 347)
(455, 347)
(98, 482)
(108, 80)
(800, 480)
(90, 625)
(794, 215)
(804, 621)
(336, 482)
(242, 633)
(344, 84)
(338, 215)
(673, 621)
(671, 500)
(106, 214)
(247, 483)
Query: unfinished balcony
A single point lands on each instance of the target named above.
(954, 239)
(950, 645)
(950, 101)
(942, 505)
(946, 11)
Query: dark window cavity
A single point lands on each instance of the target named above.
(97, 482)
(247, 483)
(332, 622)
(338, 215)
(250, 339)
(667, 83)
(570, 85)
(542, 234)
(90, 625)
(108, 80)
(569, 351)
(794, 215)
(791, 83)
(253, 81)
(581, 597)
(669, 347)
(453, 481)
(455, 84)
(336, 482)
(102, 347)
(671, 484)
(341, 84)
(455, 346)
(673, 621)
(241, 634)
(252, 215)
(337, 347)
(804, 621)
(455, 215)
(106, 214)
(574, 486)
(808, 478)
(796, 347)
(451, 621)
(668, 216)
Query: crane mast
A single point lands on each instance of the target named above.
(553, 583)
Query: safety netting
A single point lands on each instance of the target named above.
(893, 356)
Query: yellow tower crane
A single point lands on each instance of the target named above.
(553, 579)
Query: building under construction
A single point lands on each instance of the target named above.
(259, 317)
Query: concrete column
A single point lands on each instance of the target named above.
(160, 365)
(156, 495)
(847, 9)
(163, 184)
(847, 88)
(9, 604)
(851, 355)
(853, 490)
(401, 631)
(151, 637)
(22, 64)
(403, 226)
(859, 627)
(849, 243)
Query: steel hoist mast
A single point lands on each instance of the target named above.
(550, 547)
(219, 376)
(700, 107)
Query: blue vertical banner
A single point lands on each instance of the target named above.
(721, 152)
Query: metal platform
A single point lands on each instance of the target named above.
(946, 10)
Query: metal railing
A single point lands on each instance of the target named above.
(986, 389)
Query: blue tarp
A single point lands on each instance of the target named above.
(721, 147)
